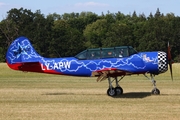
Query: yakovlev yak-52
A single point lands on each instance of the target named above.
(102, 63)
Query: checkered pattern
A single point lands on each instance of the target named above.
(162, 62)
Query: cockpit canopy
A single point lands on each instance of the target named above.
(100, 53)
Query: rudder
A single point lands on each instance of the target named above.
(21, 51)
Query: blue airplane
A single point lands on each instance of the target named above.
(102, 63)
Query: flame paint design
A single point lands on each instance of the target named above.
(21, 51)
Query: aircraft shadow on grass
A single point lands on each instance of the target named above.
(134, 95)
(125, 95)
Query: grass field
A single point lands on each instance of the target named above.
(33, 96)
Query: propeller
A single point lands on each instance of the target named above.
(170, 62)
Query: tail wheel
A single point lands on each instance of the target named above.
(111, 92)
(155, 91)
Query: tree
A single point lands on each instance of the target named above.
(119, 34)
(54, 16)
(95, 33)
(3, 47)
(10, 30)
(71, 33)
(66, 41)
(158, 13)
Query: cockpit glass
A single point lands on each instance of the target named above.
(101, 53)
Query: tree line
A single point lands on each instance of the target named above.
(65, 35)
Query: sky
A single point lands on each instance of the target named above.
(96, 6)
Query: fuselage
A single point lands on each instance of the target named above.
(144, 62)
(22, 56)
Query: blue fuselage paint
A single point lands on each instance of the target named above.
(21, 51)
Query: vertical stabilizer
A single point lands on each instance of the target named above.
(21, 51)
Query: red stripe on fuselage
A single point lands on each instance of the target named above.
(107, 69)
(32, 67)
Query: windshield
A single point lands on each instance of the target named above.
(101, 53)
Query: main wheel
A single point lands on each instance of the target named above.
(119, 90)
(111, 92)
(155, 91)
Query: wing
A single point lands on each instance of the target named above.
(112, 72)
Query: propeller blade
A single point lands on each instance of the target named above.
(170, 66)
(170, 61)
(169, 52)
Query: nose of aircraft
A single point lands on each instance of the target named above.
(162, 62)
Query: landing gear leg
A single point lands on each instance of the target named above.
(111, 91)
(154, 91)
(114, 91)
(118, 89)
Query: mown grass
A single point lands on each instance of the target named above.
(50, 97)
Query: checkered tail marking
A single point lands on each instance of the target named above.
(162, 62)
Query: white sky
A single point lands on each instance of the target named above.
(97, 6)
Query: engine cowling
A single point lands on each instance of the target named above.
(162, 62)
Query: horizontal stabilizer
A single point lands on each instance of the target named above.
(29, 66)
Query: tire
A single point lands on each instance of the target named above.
(155, 91)
(119, 90)
(111, 92)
